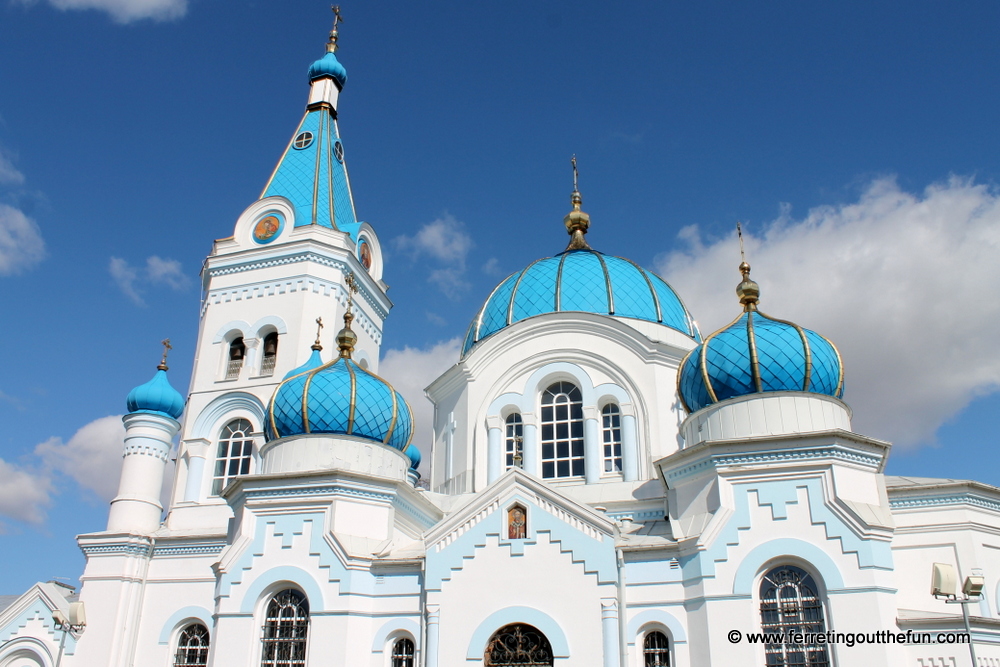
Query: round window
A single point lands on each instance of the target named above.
(338, 150)
(303, 140)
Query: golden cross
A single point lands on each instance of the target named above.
(352, 289)
(337, 18)
(576, 174)
(739, 232)
(166, 348)
(319, 328)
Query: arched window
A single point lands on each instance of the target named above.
(192, 647)
(513, 439)
(562, 431)
(656, 650)
(611, 436)
(235, 454)
(402, 653)
(286, 626)
(237, 350)
(518, 644)
(270, 353)
(789, 602)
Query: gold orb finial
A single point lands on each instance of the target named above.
(748, 291)
(162, 366)
(331, 45)
(346, 338)
(577, 222)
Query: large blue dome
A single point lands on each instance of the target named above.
(580, 280)
(758, 353)
(156, 396)
(339, 397)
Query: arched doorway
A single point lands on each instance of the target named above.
(520, 645)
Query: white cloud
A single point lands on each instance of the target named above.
(92, 457)
(21, 244)
(905, 285)
(158, 271)
(24, 494)
(127, 11)
(445, 241)
(410, 370)
(9, 174)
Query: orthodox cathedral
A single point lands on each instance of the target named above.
(607, 486)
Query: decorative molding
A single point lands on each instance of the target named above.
(908, 502)
(189, 550)
(757, 458)
(336, 489)
(159, 450)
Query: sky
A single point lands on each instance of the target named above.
(855, 141)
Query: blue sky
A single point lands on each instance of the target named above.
(856, 141)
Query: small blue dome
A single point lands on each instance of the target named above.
(757, 353)
(328, 65)
(156, 396)
(414, 455)
(580, 280)
(339, 397)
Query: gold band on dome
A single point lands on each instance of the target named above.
(607, 283)
(354, 396)
(840, 378)
(329, 175)
(513, 293)
(395, 415)
(562, 260)
(752, 344)
(482, 311)
(319, 161)
(807, 380)
(652, 290)
(704, 360)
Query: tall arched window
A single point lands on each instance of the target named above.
(518, 644)
(611, 437)
(192, 647)
(270, 353)
(402, 653)
(656, 650)
(513, 439)
(562, 431)
(237, 351)
(789, 602)
(286, 626)
(235, 454)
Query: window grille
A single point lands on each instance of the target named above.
(562, 431)
(518, 644)
(611, 436)
(402, 653)
(235, 454)
(237, 350)
(192, 647)
(513, 439)
(789, 603)
(656, 650)
(285, 629)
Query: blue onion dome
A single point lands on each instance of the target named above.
(758, 353)
(584, 280)
(339, 397)
(328, 65)
(157, 396)
(414, 455)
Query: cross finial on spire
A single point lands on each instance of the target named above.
(577, 222)
(346, 339)
(748, 290)
(331, 46)
(166, 348)
(319, 329)
(576, 174)
(352, 289)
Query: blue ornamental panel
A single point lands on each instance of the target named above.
(583, 284)
(329, 399)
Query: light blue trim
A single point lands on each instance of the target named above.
(754, 562)
(870, 553)
(658, 617)
(192, 613)
(291, 574)
(272, 320)
(209, 417)
(233, 325)
(407, 625)
(41, 611)
(596, 555)
(967, 498)
(498, 619)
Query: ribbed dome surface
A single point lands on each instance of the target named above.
(328, 65)
(580, 280)
(339, 397)
(156, 396)
(758, 353)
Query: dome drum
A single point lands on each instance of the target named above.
(334, 453)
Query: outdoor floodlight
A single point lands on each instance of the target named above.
(973, 586)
